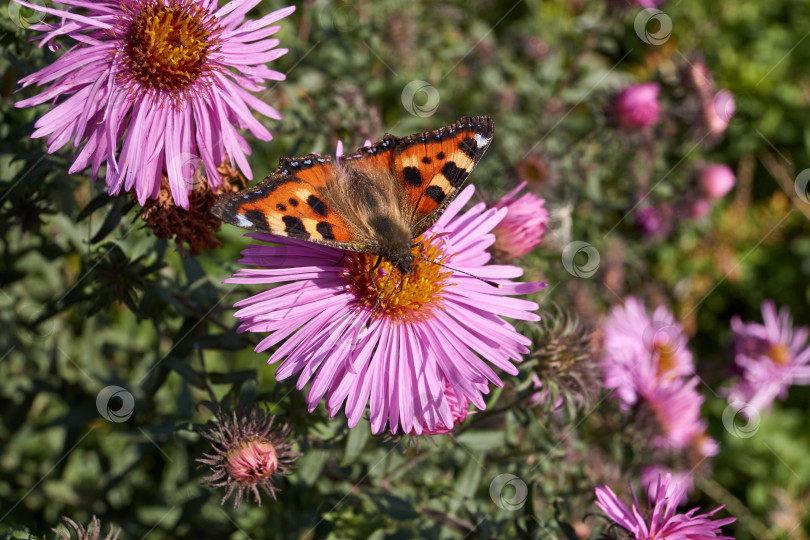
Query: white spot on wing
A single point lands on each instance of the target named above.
(242, 221)
(480, 140)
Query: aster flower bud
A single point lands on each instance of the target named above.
(90, 532)
(565, 368)
(522, 229)
(716, 180)
(637, 106)
(248, 452)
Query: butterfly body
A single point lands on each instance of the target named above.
(376, 200)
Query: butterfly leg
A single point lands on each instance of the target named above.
(343, 256)
(376, 290)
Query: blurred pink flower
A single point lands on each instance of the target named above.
(655, 221)
(661, 521)
(392, 356)
(170, 80)
(638, 106)
(677, 410)
(772, 357)
(522, 229)
(718, 110)
(699, 208)
(716, 180)
(643, 354)
(681, 483)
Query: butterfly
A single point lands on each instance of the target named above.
(377, 200)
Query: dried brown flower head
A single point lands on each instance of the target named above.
(197, 225)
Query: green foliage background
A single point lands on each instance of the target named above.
(90, 299)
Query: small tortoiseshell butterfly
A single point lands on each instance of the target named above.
(376, 200)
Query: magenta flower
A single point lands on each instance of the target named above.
(716, 180)
(432, 327)
(522, 229)
(772, 357)
(638, 107)
(170, 79)
(718, 110)
(643, 354)
(661, 521)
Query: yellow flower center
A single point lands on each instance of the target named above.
(167, 45)
(779, 353)
(402, 298)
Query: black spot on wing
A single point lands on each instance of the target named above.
(325, 230)
(293, 202)
(294, 227)
(412, 176)
(440, 155)
(469, 147)
(281, 207)
(258, 218)
(317, 205)
(436, 193)
(426, 160)
(454, 175)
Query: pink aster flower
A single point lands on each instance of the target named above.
(662, 520)
(432, 327)
(171, 80)
(522, 229)
(772, 357)
(643, 353)
(638, 107)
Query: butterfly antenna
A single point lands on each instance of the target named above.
(488, 282)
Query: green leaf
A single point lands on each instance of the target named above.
(356, 442)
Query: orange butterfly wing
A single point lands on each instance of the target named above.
(433, 166)
(288, 203)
